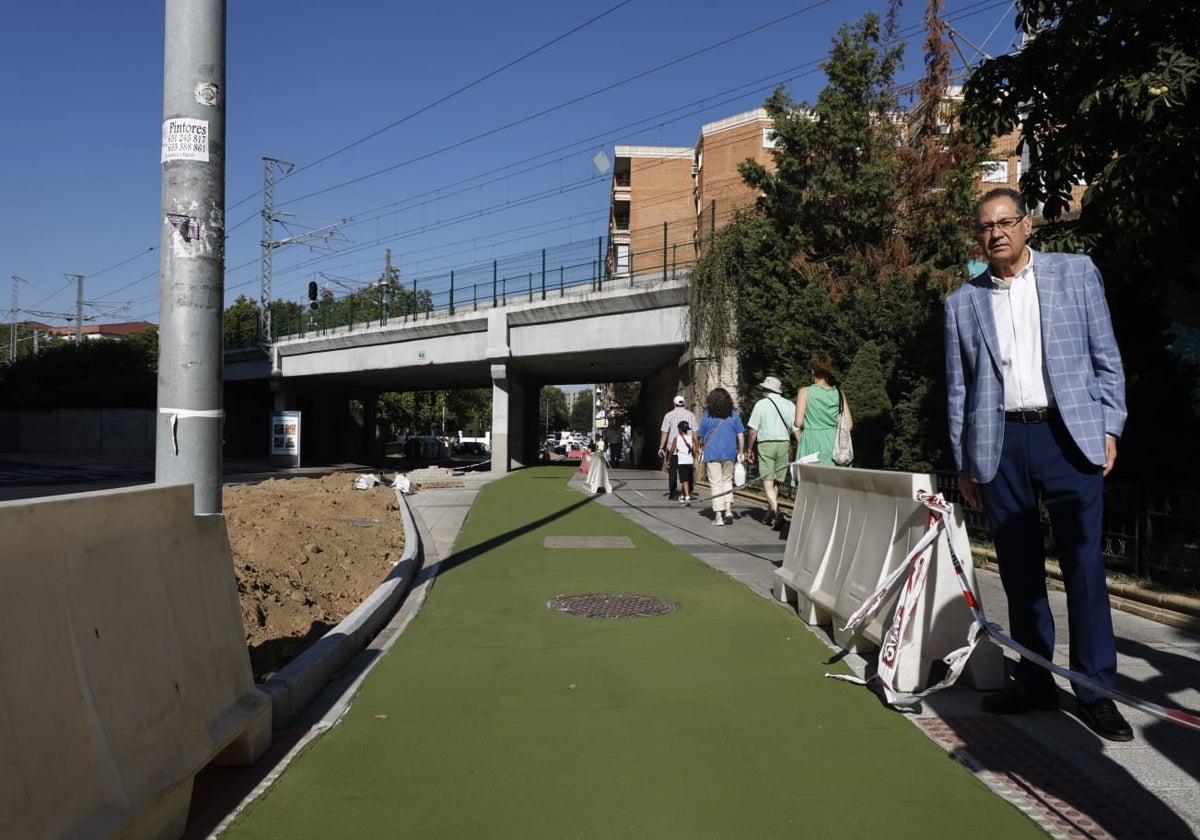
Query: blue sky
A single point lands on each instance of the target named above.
(451, 134)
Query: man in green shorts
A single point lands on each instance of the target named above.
(771, 428)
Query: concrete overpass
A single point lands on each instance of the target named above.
(631, 330)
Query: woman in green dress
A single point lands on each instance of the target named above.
(817, 412)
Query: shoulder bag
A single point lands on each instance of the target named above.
(843, 446)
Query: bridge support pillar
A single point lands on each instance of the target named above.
(508, 408)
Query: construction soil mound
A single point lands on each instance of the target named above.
(306, 552)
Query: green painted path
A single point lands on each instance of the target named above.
(496, 717)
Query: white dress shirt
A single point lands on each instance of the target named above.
(1019, 329)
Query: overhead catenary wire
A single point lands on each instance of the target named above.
(445, 98)
(966, 11)
(973, 9)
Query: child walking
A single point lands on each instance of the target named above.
(684, 449)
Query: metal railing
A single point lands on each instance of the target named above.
(661, 252)
(1152, 534)
(1149, 533)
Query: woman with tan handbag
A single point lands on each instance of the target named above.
(818, 407)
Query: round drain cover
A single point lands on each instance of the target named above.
(612, 605)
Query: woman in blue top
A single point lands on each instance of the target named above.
(721, 438)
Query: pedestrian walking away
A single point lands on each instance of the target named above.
(1036, 403)
(684, 450)
(769, 440)
(670, 428)
(721, 439)
(817, 408)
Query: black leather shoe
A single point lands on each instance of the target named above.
(769, 519)
(1102, 717)
(1016, 699)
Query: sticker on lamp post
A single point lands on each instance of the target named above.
(184, 138)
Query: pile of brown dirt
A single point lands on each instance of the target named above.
(306, 551)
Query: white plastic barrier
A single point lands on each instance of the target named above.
(850, 528)
(597, 478)
(123, 660)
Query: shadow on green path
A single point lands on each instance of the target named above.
(494, 716)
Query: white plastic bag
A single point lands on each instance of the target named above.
(366, 481)
(402, 484)
(739, 474)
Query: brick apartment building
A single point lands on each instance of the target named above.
(666, 200)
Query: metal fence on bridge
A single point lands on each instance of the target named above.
(630, 258)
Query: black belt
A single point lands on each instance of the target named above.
(1031, 415)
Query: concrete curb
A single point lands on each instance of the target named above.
(1169, 608)
(298, 683)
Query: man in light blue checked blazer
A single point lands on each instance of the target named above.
(1036, 399)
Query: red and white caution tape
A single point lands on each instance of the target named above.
(889, 653)
(916, 564)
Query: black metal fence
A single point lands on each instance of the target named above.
(1149, 533)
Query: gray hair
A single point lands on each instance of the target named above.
(1018, 200)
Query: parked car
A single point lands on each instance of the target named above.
(424, 448)
(472, 447)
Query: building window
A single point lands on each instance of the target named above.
(770, 138)
(994, 172)
(622, 258)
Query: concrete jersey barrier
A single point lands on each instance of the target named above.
(850, 529)
(124, 661)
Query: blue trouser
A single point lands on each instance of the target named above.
(1041, 460)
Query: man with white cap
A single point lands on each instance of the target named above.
(670, 428)
(771, 429)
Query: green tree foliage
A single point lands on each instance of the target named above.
(581, 413)
(30, 340)
(1103, 93)
(853, 245)
(95, 374)
(383, 301)
(144, 343)
(871, 406)
(240, 325)
(468, 410)
(626, 399)
(552, 409)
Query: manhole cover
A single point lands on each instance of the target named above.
(612, 605)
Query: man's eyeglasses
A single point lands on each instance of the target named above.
(1001, 224)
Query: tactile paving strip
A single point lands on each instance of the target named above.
(1055, 793)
